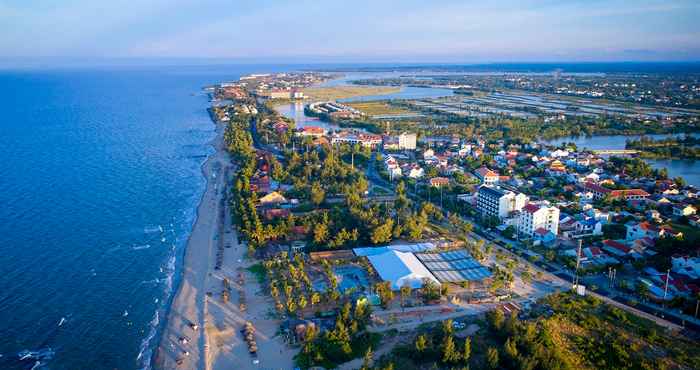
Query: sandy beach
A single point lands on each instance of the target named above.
(217, 342)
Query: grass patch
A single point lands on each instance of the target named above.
(379, 108)
(344, 92)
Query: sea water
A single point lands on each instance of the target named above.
(99, 182)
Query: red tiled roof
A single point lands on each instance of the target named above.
(313, 129)
(485, 172)
(617, 245)
(531, 208)
(541, 231)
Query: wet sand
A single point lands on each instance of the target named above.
(218, 343)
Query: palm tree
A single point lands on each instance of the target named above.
(405, 293)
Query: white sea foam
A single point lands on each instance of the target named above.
(140, 247)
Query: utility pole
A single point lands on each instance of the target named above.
(668, 272)
(578, 262)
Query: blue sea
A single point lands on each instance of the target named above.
(99, 181)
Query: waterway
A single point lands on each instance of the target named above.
(295, 110)
(689, 169)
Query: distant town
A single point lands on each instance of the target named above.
(405, 232)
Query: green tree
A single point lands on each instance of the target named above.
(405, 293)
(383, 232)
(450, 355)
(466, 354)
(317, 194)
(511, 349)
(492, 357)
(367, 360)
(320, 233)
(421, 343)
(496, 319)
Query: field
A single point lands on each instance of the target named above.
(379, 108)
(344, 92)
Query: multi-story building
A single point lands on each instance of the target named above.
(492, 201)
(538, 216)
(405, 141)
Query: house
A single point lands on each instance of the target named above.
(272, 199)
(416, 172)
(556, 168)
(313, 131)
(438, 182)
(273, 213)
(543, 236)
(685, 265)
(600, 192)
(694, 221)
(588, 226)
(642, 230)
(487, 176)
(680, 210)
(616, 248)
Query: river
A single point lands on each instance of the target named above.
(689, 169)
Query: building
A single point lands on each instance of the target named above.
(407, 141)
(416, 172)
(538, 216)
(392, 167)
(401, 269)
(314, 131)
(600, 192)
(493, 201)
(686, 265)
(680, 210)
(366, 140)
(487, 176)
(438, 182)
(642, 230)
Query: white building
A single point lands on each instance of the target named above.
(407, 141)
(416, 172)
(493, 201)
(392, 167)
(535, 216)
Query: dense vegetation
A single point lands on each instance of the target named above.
(675, 147)
(563, 332)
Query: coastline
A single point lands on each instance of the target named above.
(187, 305)
(198, 300)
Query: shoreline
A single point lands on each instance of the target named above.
(187, 305)
(198, 299)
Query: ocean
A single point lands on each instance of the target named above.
(99, 181)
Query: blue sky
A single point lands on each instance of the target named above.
(353, 31)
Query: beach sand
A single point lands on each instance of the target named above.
(218, 343)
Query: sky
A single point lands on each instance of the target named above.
(352, 31)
